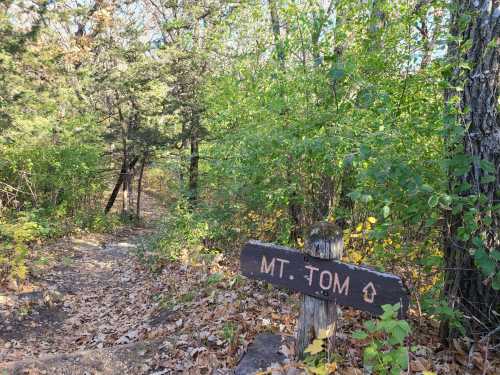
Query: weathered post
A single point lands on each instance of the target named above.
(324, 241)
(323, 279)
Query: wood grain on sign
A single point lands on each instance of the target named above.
(346, 284)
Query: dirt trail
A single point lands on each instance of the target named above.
(91, 294)
(94, 308)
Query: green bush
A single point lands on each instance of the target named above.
(386, 353)
(46, 191)
(57, 177)
(13, 248)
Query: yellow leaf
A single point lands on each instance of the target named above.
(315, 348)
(324, 369)
(372, 220)
(319, 370)
(359, 228)
(328, 332)
(332, 367)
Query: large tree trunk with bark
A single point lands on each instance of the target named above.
(471, 235)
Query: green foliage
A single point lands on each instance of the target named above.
(386, 352)
(215, 278)
(178, 233)
(13, 249)
(438, 308)
(229, 332)
(59, 177)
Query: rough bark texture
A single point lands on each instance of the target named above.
(322, 199)
(324, 241)
(466, 288)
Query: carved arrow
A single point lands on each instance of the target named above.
(369, 292)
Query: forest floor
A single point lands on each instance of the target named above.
(92, 306)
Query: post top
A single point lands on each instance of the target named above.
(324, 230)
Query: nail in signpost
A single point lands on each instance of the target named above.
(332, 280)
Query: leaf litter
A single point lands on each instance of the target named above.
(200, 316)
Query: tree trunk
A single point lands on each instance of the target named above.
(118, 185)
(324, 241)
(471, 236)
(345, 205)
(294, 207)
(139, 186)
(130, 181)
(322, 199)
(193, 164)
(125, 190)
(275, 25)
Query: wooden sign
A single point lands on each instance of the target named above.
(345, 284)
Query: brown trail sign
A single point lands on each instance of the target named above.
(332, 280)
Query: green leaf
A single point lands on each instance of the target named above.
(488, 179)
(386, 211)
(427, 188)
(484, 262)
(359, 335)
(370, 352)
(399, 332)
(433, 201)
(495, 254)
(463, 234)
(370, 326)
(365, 198)
(364, 151)
(401, 357)
(337, 74)
(354, 195)
(487, 166)
(496, 281)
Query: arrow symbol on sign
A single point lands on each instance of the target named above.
(369, 292)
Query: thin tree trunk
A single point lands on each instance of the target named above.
(193, 165)
(139, 186)
(125, 190)
(467, 288)
(130, 188)
(346, 185)
(322, 199)
(118, 185)
(294, 208)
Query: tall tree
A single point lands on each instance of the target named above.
(471, 237)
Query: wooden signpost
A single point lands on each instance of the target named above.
(326, 280)
(345, 284)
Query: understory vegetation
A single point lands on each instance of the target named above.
(256, 119)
